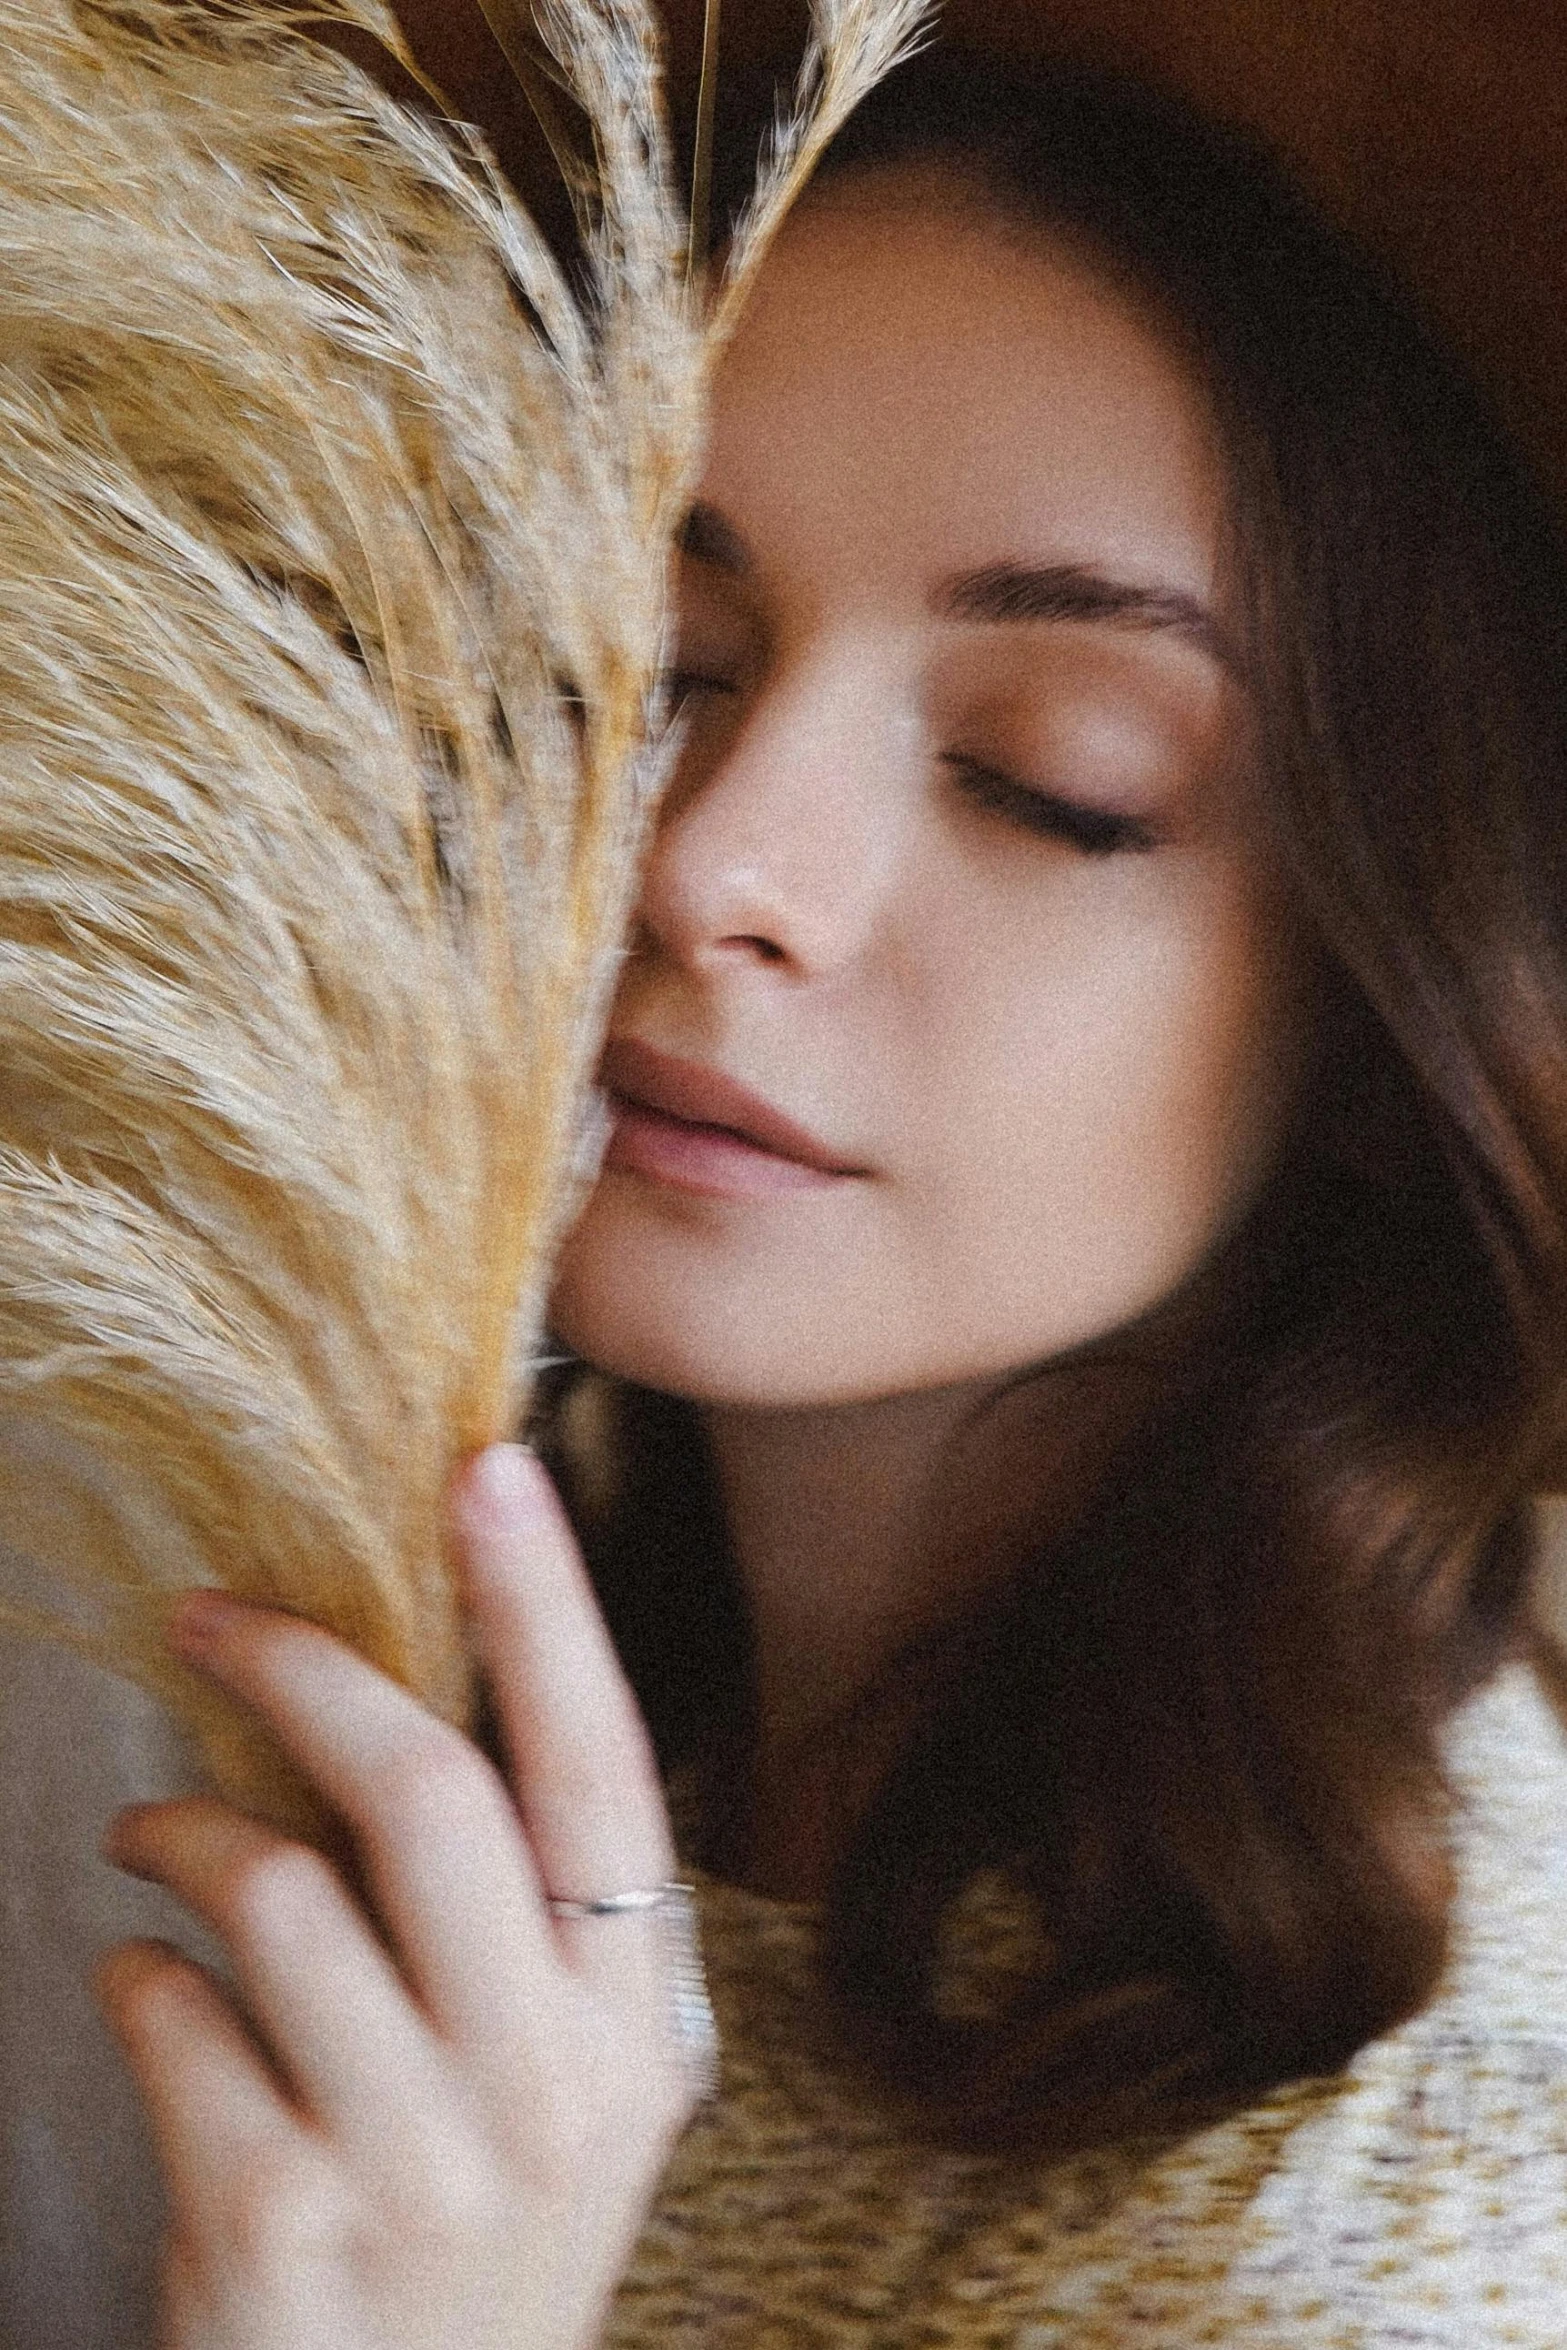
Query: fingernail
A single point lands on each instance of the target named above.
(503, 1479)
(197, 1624)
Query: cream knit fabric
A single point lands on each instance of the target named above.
(1419, 2200)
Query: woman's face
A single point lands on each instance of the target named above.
(963, 873)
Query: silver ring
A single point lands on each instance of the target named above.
(616, 1905)
(690, 2009)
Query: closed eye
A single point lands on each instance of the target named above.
(1097, 832)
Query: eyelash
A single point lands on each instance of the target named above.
(1096, 832)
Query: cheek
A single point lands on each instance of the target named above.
(1095, 1126)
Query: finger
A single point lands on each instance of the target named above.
(330, 2005)
(216, 2110)
(582, 1764)
(443, 1852)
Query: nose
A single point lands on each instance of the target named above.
(784, 848)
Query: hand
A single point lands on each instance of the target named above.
(439, 2120)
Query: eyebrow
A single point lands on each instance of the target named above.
(1017, 592)
(1010, 593)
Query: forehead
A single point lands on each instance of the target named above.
(917, 382)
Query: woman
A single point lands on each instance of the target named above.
(1072, 1312)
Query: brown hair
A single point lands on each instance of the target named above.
(1200, 1734)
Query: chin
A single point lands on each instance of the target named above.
(771, 1353)
(707, 1350)
(696, 1360)
(671, 1305)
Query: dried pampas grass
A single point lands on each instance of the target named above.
(334, 533)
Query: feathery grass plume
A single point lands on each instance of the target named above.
(334, 534)
(853, 45)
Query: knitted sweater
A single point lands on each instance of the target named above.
(1418, 2199)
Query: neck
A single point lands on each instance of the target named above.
(857, 1530)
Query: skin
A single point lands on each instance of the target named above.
(1059, 1077)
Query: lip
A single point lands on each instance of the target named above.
(692, 1124)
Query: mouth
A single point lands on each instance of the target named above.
(682, 1122)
